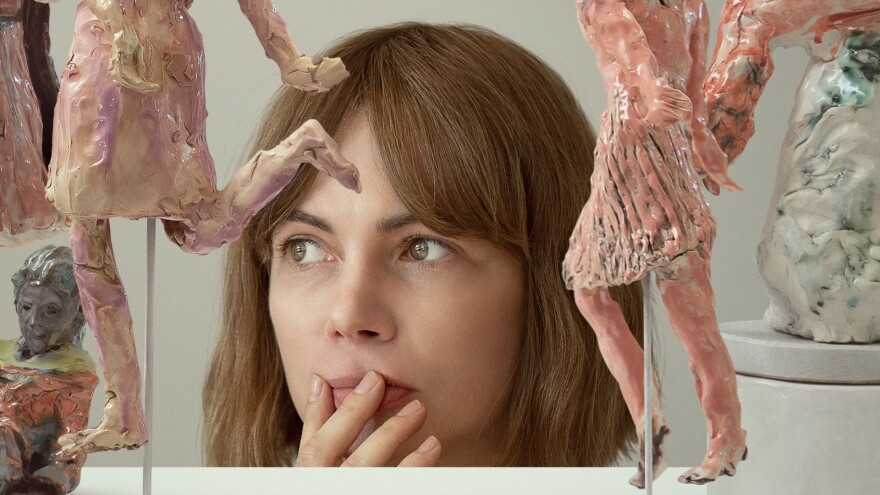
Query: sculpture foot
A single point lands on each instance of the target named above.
(719, 461)
(111, 434)
(101, 439)
(659, 459)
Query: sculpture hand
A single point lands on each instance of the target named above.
(711, 185)
(127, 64)
(303, 74)
(712, 163)
(321, 151)
(665, 104)
(328, 435)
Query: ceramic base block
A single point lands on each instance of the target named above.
(807, 439)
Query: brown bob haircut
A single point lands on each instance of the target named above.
(479, 138)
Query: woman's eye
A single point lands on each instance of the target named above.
(423, 249)
(305, 251)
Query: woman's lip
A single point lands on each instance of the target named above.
(393, 397)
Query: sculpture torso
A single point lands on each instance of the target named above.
(668, 25)
(40, 399)
(107, 163)
(647, 205)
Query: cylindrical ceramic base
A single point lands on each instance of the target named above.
(807, 439)
(803, 438)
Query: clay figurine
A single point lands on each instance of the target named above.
(46, 379)
(647, 212)
(129, 141)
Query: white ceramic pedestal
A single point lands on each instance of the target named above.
(812, 413)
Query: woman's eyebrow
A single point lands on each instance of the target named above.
(383, 226)
(396, 222)
(303, 217)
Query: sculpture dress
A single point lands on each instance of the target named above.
(25, 214)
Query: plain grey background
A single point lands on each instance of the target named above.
(240, 81)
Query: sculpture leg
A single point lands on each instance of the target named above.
(106, 310)
(222, 217)
(624, 358)
(687, 294)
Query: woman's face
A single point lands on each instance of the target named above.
(358, 284)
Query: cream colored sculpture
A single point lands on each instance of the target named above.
(647, 212)
(819, 255)
(130, 142)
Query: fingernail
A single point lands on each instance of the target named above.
(428, 445)
(410, 408)
(315, 389)
(368, 383)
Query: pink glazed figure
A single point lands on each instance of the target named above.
(25, 215)
(129, 141)
(647, 212)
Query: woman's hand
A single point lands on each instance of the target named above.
(328, 435)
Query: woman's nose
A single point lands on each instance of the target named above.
(362, 307)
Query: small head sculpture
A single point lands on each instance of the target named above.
(47, 302)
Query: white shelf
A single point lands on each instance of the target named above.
(424, 481)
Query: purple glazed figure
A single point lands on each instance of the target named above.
(129, 141)
(46, 379)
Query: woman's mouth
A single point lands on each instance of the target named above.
(394, 396)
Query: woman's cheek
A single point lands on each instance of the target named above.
(288, 322)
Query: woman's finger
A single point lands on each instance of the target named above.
(330, 442)
(426, 455)
(318, 410)
(381, 445)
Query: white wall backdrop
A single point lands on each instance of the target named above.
(240, 81)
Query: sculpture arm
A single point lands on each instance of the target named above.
(707, 155)
(127, 66)
(622, 48)
(296, 69)
(742, 63)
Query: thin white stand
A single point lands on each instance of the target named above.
(647, 325)
(148, 355)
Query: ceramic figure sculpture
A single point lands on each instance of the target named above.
(129, 141)
(819, 255)
(27, 92)
(46, 379)
(647, 212)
